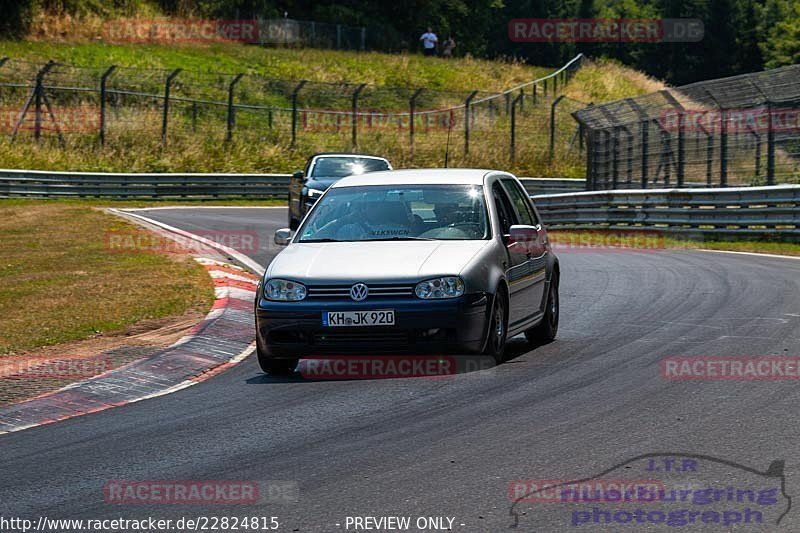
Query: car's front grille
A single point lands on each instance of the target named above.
(360, 338)
(375, 291)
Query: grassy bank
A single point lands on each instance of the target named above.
(61, 282)
(262, 138)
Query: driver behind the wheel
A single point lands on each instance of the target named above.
(446, 213)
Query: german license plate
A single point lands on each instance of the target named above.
(380, 317)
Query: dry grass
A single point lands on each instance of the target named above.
(61, 282)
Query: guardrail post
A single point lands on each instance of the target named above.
(355, 111)
(165, 118)
(103, 83)
(681, 148)
(231, 109)
(553, 126)
(466, 120)
(412, 108)
(295, 92)
(513, 145)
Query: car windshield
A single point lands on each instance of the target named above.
(339, 167)
(398, 212)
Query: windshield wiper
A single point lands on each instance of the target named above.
(326, 239)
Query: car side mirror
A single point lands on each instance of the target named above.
(283, 236)
(524, 235)
(298, 175)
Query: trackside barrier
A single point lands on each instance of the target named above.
(46, 184)
(758, 212)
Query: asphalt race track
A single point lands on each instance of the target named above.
(450, 446)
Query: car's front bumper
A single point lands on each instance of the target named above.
(294, 329)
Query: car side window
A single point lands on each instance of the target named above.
(526, 213)
(504, 210)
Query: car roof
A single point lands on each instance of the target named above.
(426, 176)
(338, 154)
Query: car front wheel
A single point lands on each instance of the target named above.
(498, 329)
(273, 366)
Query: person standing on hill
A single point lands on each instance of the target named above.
(448, 46)
(429, 42)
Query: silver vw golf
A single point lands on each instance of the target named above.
(437, 261)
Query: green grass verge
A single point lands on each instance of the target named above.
(61, 282)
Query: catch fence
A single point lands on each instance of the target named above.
(742, 130)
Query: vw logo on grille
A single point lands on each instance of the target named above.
(359, 291)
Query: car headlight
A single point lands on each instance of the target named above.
(315, 193)
(438, 288)
(282, 290)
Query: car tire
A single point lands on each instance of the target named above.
(546, 330)
(495, 346)
(273, 366)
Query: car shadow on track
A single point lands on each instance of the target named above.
(366, 367)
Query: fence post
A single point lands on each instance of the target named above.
(681, 134)
(103, 83)
(645, 127)
(522, 99)
(555, 84)
(338, 36)
(165, 119)
(534, 94)
(513, 145)
(363, 39)
(412, 109)
(553, 126)
(545, 87)
(466, 120)
(770, 147)
(231, 109)
(354, 113)
(36, 97)
(590, 159)
(295, 92)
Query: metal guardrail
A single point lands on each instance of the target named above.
(47, 184)
(552, 185)
(741, 211)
